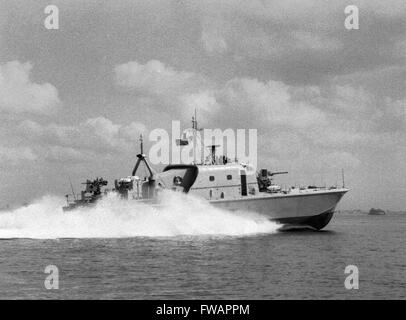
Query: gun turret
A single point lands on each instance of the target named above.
(95, 185)
(264, 178)
(123, 185)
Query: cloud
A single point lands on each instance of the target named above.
(175, 92)
(386, 9)
(262, 29)
(154, 77)
(332, 115)
(402, 105)
(96, 135)
(389, 115)
(305, 40)
(16, 154)
(333, 160)
(18, 94)
(260, 103)
(265, 104)
(302, 41)
(247, 102)
(213, 34)
(204, 101)
(113, 135)
(67, 154)
(400, 49)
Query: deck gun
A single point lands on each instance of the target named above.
(264, 178)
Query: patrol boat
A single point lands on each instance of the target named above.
(226, 184)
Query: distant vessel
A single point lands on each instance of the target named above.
(376, 212)
(226, 184)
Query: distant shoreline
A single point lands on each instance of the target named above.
(357, 211)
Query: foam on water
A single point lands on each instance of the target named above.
(179, 214)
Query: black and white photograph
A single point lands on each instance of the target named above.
(205, 150)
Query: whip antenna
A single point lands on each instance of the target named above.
(71, 186)
(342, 174)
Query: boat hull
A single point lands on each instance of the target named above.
(298, 210)
(308, 210)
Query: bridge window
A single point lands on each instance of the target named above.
(211, 178)
(229, 177)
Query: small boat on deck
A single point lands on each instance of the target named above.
(376, 212)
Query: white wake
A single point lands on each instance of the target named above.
(179, 214)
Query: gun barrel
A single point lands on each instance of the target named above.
(278, 172)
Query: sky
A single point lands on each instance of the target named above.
(73, 101)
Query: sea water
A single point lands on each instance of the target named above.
(189, 250)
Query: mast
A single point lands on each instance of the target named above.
(342, 174)
(194, 127)
(142, 144)
(142, 158)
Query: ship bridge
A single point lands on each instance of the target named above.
(225, 181)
